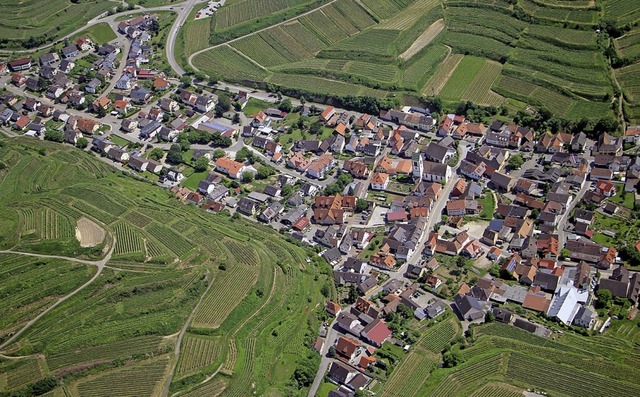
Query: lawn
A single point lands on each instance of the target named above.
(623, 198)
(254, 106)
(325, 388)
(488, 205)
(119, 141)
(192, 180)
(100, 33)
(168, 253)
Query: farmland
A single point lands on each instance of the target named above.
(123, 326)
(56, 18)
(352, 47)
(502, 360)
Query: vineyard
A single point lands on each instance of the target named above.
(198, 352)
(497, 390)
(233, 285)
(138, 380)
(21, 373)
(128, 239)
(409, 377)
(170, 239)
(210, 389)
(45, 224)
(436, 338)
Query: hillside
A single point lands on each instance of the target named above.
(117, 335)
(493, 52)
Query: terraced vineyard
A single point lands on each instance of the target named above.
(352, 47)
(117, 335)
(198, 352)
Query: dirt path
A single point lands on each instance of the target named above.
(424, 39)
(99, 264)
(266, 302)
(442, 74)
(176, 350)
(190, 59)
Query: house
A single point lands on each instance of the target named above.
(22, 123)
(331, 210)
(606, 188)
(124, 82)
(435, 172)
(138, 163)
(357, 169)
(70, 51)
(320, 166)
(84, 44)
(204, 103)
(121, 106)
(66, 66)
(585, 317)
(71, 136)
(230, 167)
(154, 166)
(608, 144)
(272, 211)
(247, 206)
(439, 154)
(160, 84)
(468, 307)
(380, 181)
(32, 84)
(376, 332)
(20, 64)
(333, 309)
(18, 79)
(5, 116)
(347, 348)
(92, 86)
(118, 154)
(564, 305)
(102, 103)
(140, 95)
(48, 59)
(502, 182)
(87, 126)
(536, 300)
(327, 113)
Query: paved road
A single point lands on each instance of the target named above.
(562, 235)
(190, 60)
(99, 264)
(332, 335)
(173, 35)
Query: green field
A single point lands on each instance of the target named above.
(116, 335)
(549, 46)
(502, 360)
(51, 19)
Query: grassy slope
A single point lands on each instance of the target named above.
(151, 299)
(572, 86)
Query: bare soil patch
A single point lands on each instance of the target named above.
(424, 39)
(89, 233)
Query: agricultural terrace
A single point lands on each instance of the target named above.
(32, 23)
(413, 46)
(503, 360)
(256, 317)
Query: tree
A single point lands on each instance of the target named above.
(244, 154)
(247, 177)
(353, 294)
(286, 191)
(156, 154)
(201, 164)
(185, 80)
(604, 298)
(102, 112)
(516, 161)
(564, 253)
(286, 105)
(489, 317)
(332, 352)
(451, 359)
(218, 153)
(236, 118)
(55, 136)
(175, 154)
(361, 205)
(264, 172)
(223, 105)
(82, 143)
(305, 372)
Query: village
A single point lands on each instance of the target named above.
(418, 216)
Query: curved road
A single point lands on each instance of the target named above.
(173, 35)
(99, 264)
